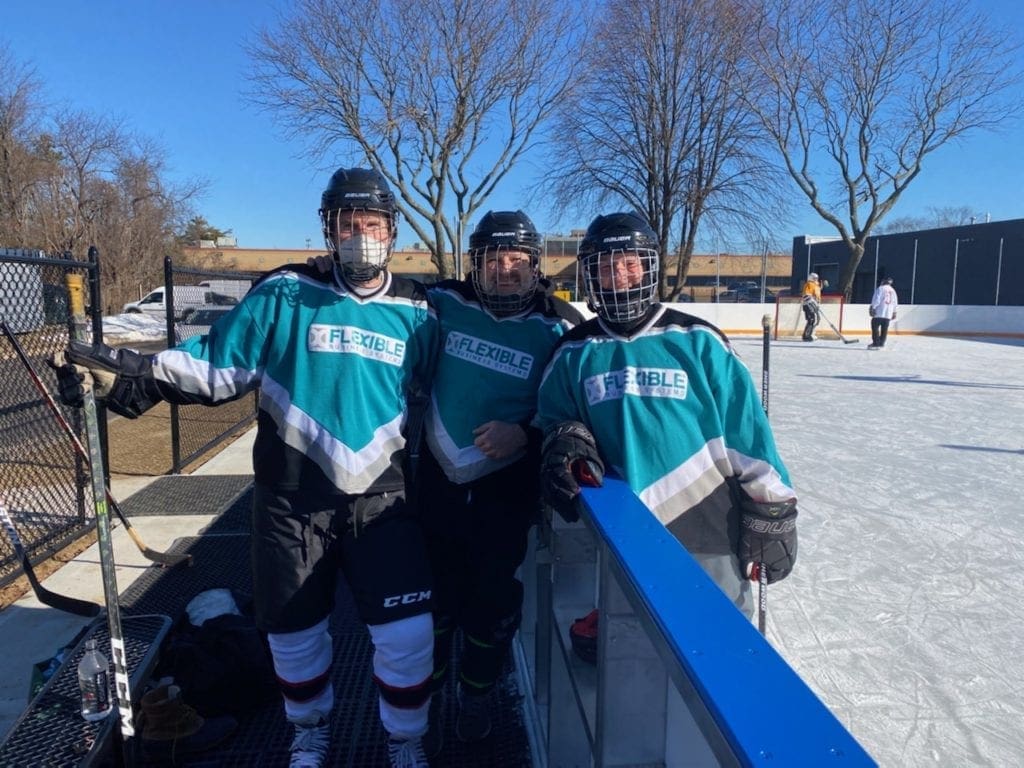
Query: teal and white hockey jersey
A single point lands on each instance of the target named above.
(488, 369)
(675, 413)
(332, 368)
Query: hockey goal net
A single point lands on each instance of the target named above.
(789, 317)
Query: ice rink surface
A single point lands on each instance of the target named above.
(905, 612)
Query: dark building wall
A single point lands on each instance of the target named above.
(976, 264)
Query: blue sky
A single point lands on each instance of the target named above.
(174, 72)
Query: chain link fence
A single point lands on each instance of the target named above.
(41, 476)
(43, 481)
(196, 298)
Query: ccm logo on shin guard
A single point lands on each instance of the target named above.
(407, 599)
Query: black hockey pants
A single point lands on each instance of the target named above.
(476, 537)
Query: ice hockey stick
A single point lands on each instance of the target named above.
(45, 596)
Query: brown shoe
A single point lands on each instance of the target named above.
(172, 730)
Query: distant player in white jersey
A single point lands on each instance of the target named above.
(660, 398)
(884, 304)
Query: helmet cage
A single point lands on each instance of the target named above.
(620, 304)
(504, 290)
(362, 256)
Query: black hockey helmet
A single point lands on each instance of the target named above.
(358, 189)
(607, 239)
(497, 231)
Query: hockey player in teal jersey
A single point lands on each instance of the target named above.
(659, 397)
(477, 477)
(333, 356)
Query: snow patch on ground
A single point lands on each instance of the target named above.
(133, 326)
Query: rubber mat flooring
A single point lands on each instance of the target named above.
(51, 732)
(221, 560)
(186, 495)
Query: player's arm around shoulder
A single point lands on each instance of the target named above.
(422, 348)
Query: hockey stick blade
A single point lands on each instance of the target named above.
(153, 555)
(163, 558)
(45, 596)
(837, 331)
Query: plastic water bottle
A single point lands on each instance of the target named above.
(94, 683)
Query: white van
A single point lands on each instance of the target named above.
(234, 288)
(186, 297)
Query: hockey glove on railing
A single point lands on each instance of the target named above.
(767, 538)
(569, 458)
(122, 377)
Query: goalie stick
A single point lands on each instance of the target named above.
(45, 596)
(122, 683)
(836, 330)
(164, 558)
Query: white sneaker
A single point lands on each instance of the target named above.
(309, 747)
(407, 753)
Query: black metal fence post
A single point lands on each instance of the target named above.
(169, 314)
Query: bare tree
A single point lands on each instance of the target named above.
(107, 188)
(69, 179)
(857, 93)
(935, 217)
(21, 110)
(441, 96)
(144, 213)
(658, 124)
(82, 150)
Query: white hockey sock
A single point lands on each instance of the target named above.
(302, 662)
(402, 668)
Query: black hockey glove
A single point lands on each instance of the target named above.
(569, 458)
(122, 377)
(767, 539)
(70, 381)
